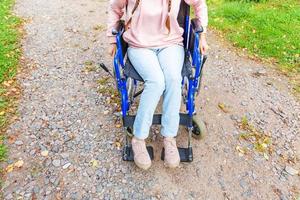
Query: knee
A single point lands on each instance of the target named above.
(157, 84)
(173, 79)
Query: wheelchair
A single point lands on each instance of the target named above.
(127, 79)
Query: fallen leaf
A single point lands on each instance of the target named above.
(19, 163)
(2, 113)
(10, 168)
(266, 156)
(94, 163)
(11, 139)
(240, 149)
(223, 107)
(118, 145)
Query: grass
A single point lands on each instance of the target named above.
(268, 30)
(9, 58)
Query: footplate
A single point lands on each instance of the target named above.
(186, 154)
(128, 153)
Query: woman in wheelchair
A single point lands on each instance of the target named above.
(156, 51)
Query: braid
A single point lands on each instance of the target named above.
(168, 23)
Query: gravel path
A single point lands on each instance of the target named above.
(68, 136)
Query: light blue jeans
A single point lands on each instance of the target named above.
(161, 70)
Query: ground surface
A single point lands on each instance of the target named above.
(67, 139)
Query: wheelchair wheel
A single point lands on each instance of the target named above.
(199, 128)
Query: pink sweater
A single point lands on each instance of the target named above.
(148, 27)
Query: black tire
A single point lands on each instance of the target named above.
(199, 128)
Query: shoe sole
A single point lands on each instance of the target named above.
(143, 166)
(172, 165)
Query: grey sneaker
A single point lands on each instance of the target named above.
(172, 158)
(141, 155)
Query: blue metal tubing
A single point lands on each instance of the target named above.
(121, 81)
(186, 31)
(193, 82)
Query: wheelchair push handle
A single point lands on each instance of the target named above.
(196, 24)
(119, 28)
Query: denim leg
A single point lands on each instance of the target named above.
(146, 63)
(171, 61)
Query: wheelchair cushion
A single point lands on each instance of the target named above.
(130, 71)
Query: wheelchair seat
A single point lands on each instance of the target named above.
(130, 71)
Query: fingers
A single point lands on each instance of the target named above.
(203, 50)
(112, 50)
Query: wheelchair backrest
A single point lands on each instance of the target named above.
(184, 12)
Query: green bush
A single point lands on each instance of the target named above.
(247, 1)
(268, 30)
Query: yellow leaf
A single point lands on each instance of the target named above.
(223, 107)
(240, 149)
(118, 125)
(10, 168)
(118, 145)
(264, 145)
(94, 163)
(19, 163)
(266, 156)
(2, 113)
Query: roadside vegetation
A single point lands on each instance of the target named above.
(9, 60)
(268, 30)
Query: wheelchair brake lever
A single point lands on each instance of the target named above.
(102, 65)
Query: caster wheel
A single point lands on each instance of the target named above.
(199, 128)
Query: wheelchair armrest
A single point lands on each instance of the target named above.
(196, 25)
(119, 28)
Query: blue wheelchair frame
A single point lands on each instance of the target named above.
(191, 37)
(193, 82)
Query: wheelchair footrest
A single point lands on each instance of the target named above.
(186, 154)
(128, 153)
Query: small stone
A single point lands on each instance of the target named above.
(56, 163)
(55, 149)
(45, 153)
(9, 196)
(243, 184)
(283, 197)
(64, 155)
(32, 152)
(244, 103)
(105, 112)
(19, 142)
(297, 148)
(234, 117)
(94, 190)
(36, 189)
(261, 72)
(66, 165)
(248, 193)
(291, 170)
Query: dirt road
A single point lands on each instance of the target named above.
(68, 139)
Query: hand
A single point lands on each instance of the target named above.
(112, 49)
(203, 44)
